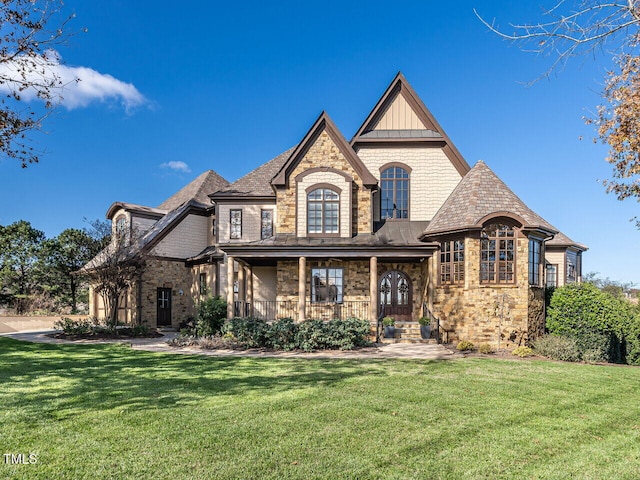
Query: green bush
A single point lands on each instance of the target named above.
(485, 348)
(601, 324)
(558, 347)
(522, 352)
(281, 334)
(249, 332)
(464, 346)
(310, 335)
(210, 316)
(70, 326)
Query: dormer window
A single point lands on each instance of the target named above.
(394, 193)
(323, 212)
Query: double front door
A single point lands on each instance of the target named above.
(395, 296)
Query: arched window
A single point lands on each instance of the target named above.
(498, 253)
(394, 193)
(121, 227)
(323, 207)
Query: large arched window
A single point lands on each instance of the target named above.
(394, 193)
(498, 253)
(323, 212)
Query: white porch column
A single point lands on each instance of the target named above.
(230, 275)
(302, 283)
(373, 289)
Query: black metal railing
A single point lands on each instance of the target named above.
(270, 310)
(440, 332)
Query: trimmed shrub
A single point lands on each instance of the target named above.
(70, 326)
(558, 347)
(250, 332)
(600, 323)
(464, 346)
(485, 348)
(281, 334)
(210, 316)
(522, 352)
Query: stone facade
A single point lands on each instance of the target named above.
(324, 152)
(166, 274)
(503, 316)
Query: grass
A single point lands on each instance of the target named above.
(106, 411)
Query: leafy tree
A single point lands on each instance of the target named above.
(63, 256)
(569, 29)
(20, 267)
(613, 287)
(29, 30)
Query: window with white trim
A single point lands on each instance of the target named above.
(323, 212)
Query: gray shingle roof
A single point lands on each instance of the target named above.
(481, 193)
(561, 240)
(199, 190)
(256, 183)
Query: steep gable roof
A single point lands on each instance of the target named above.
(401, 116)
(480, 195)
(324, 124)
(198, 190)
(256, 183)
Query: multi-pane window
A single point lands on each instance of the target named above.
(202, 283)
(497, 254)
(552, 275)
(571, 268)
(535, 261)
(394, 193)
(326, 285)
(266, 223)
(235, 230)
(452, 262)
(323, 208)
(121, 227)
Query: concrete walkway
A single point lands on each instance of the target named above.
(396, 350)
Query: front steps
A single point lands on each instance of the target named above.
(407, 332)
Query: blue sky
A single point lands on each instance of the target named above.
(212, 85)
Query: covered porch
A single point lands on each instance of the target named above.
(303, 278)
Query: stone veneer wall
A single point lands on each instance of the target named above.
(167, 274)
(323, 153)
(473, 311)
(356, 279)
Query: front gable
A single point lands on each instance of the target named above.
(323, 163)
(400, 118)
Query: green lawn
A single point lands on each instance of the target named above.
(109, 412)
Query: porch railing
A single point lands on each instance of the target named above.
(273, 310)
(441, 334)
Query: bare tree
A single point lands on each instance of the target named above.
(576, 28)
(569, 29)
(114, 271)
(29, 31)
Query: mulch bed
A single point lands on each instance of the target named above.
(118, 334)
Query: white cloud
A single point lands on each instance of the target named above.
(77, 86)
(178, 166)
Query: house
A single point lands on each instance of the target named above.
(392, 222)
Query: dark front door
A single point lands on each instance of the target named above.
(164, 307)
(395, 295)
